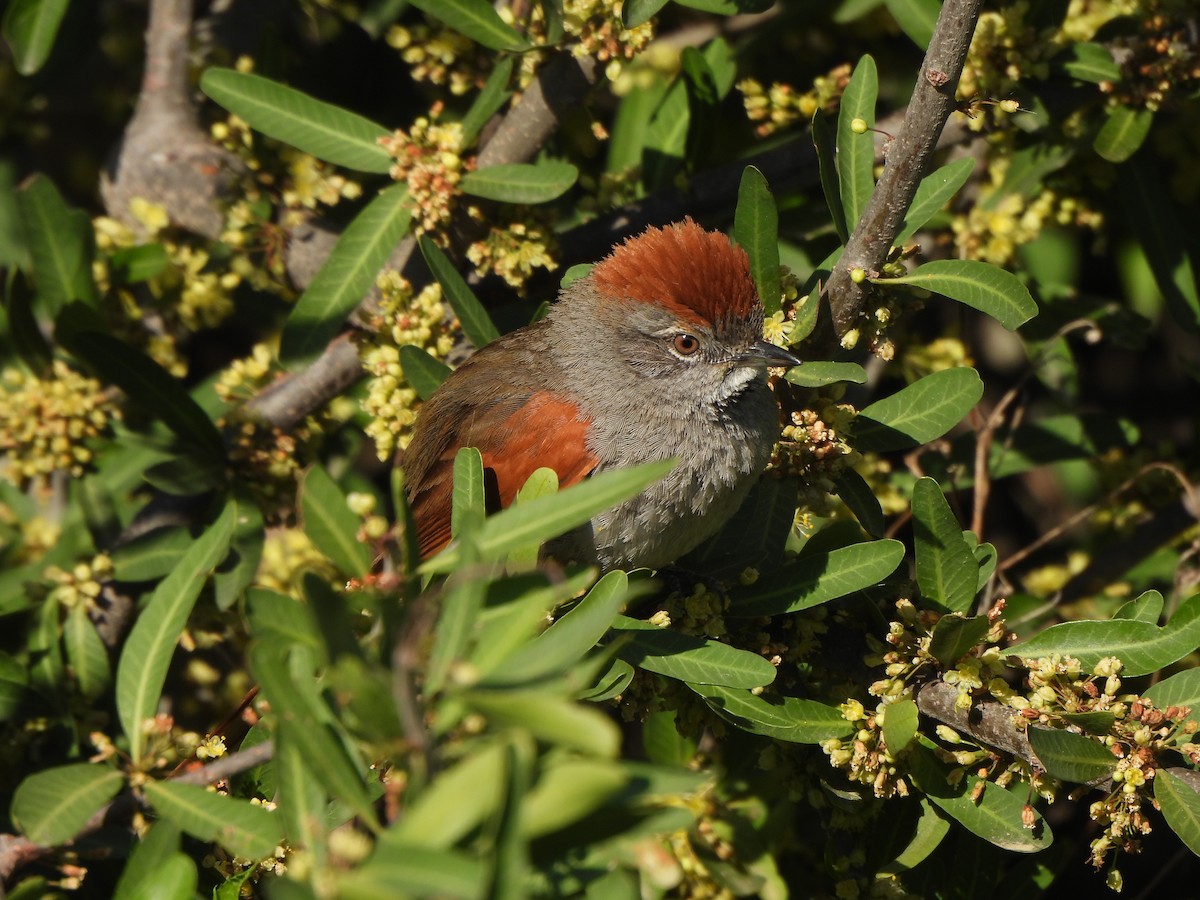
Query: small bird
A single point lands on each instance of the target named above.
(657, 353)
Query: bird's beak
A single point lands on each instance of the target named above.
(764, 353)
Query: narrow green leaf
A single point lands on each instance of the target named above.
(630, 126)
(996, 816)
(303, 801)
(461, 605)
(156, 869)
(931, 830)
(821, 373)
(543, 482)
(303, 721)
(283, 620)
(521, 182)
(979, 285)
(663, 743)
(60, 241)
(467, 501)
(237, 825)
(1027, 172)
(665, 143)
(86, 653)
(574, 273)
(1146, 608)
(638, 12)
(1072, 757)
(783, 718)
(548, 517)
(414, 870)
(1123, 132)
(916, 18)
(476, 19)
(249, 535)
(1181, 689)
(986, 558)
(900, 724)
(856, 152)
(570, 637)
(1158, 223)
(330, 524)
(147, 654)
(825, 141)
(817, 579)
(52, 806)
(689, 658)
(347, 275)
(1091, 62)
(727, 7)
(141, 263)
(423, 371)
(477, 325)
(13, 682)
(1180, 805)
(23, 329)
(934, 192)
(151, 387)
(30, 27)
(454, 804)
(326, 131)
(954, 635)
(946, 568)
(492, 96)
(854, 491)
(568, 791)
(756, 229)
(919, 413)
(613, 681)
(1141, 646)
(1100, 723)
(550, 718)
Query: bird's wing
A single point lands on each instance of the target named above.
(542, 429)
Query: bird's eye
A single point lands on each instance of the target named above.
(685, 344)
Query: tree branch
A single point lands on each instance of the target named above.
(908, 160)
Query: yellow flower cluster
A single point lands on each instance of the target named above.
(813, 449)
(775, 108)
(865, 756)
(245, 377)
(313, 182)
(1161, 62)
(439, 55)
(288, 555)
(82, 584)
(597, 30)
(428, 159)
(514, 249)
(1005, 51)
(45, 422)
(609, 190)
(401, 319)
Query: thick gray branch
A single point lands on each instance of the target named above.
(908, 159)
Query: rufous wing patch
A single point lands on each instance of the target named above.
(546, 431)
(699, 275)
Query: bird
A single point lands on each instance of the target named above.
(657, 353)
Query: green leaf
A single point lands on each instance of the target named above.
(1141, 646)
(326, 131)
(1146, 608)
(916, 18)
(854, 491)
(60, 241)
(954, 635)
(548, 517)
(931, 830)
(550, 718)
(492, 96)
(521, 182)
(900, 724)
(1180, 805)
(249, 535)
(422, 370)
(454, 803)
(52, 806)
(979, 285)
(476, 19)
(663, 743)
(638, 12)
(1181, 689)
(468, 504)
(820, 373)
(1072, 757)
(934, 192)
(754, 536)
(346, 276)
(783, 718)
(414, 870)
(665, 144)
(156, 869)
(330, 524)
(986, 558)
(542, 482)
(946, 568)
(1158, 223)
(1091, 62)
(996, 816)
(756, 229)
(1123, 132)
(303, 721)
(461, 605)
(573, 274)
(476, 323)
(142, 669)
(30, 27)
(856, 152)
(727, 7)
(571, 636)
(24, 332)
(302, 801)
(243, 828)
(613, 681)
(13, 682)
(689, 658)
(817, 579)
(1100, 723)
(568, 791)
(282, 620)
(86, 653)
(1027, 172)
(919, 413)
(825, 142)
(151, 387)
